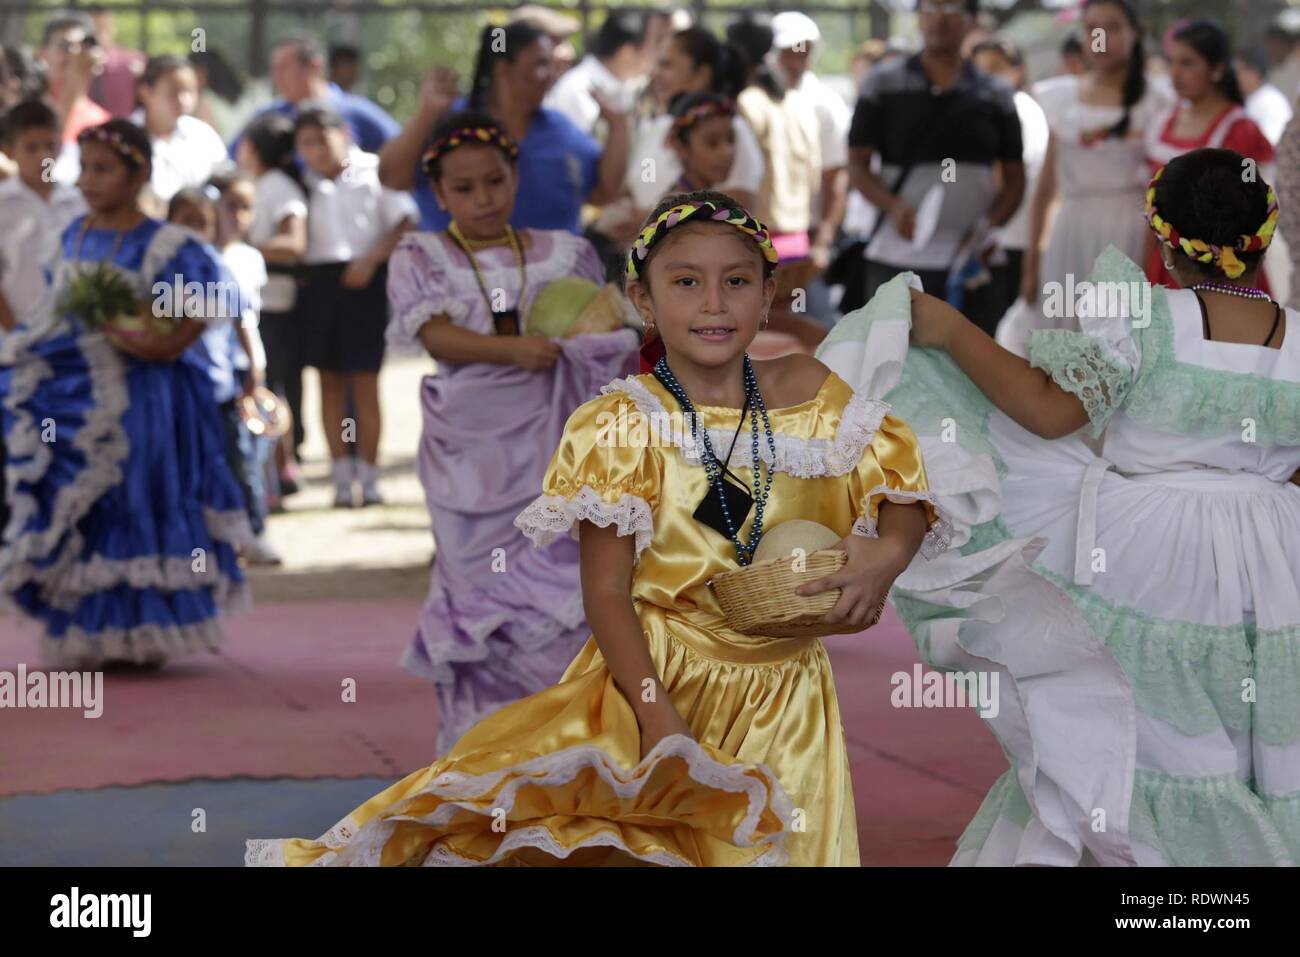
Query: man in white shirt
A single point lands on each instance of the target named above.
(795, 38)
(34, 211)
(616, 58)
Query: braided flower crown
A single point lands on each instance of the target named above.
(720, 106)
(487, 135)
(1223, 258)
(698, 210)
(115, 141)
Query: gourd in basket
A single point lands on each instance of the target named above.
(573, 306)
(760, 598)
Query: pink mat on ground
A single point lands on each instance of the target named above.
(271, 706)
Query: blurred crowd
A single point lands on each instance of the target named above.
(309, 192)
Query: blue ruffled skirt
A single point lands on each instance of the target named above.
(125, 515)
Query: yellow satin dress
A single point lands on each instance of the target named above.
(556, 778)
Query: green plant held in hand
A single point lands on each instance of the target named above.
(99, 296)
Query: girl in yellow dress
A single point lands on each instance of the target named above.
(672, 738)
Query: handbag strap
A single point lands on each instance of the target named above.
(929, 129)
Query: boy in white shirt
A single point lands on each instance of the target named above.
(353, 225)
(34, 209)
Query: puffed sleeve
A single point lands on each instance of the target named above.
(417, 291)
(603, 472)
(891, 468)
(1100, 363)
(188, 278)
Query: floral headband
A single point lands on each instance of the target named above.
(116, 142)
(489, 135)
(1224, 258)
(702, 111)
(732, 215)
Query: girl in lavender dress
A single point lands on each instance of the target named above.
(502, 619)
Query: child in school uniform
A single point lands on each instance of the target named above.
(226, 351)
(353, 226)
(278, 231)
(235, 211)
(34, 210)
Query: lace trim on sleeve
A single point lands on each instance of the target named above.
(550, 515)
(1085, 368)
(404, 329)
(938, 537)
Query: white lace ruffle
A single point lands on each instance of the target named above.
(550, 515)
(460, 793)
(560, 262)
(800, 457)
(404, 330)
(143, 644)
(938, 537)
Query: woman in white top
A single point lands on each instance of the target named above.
(1095, 164)
(693, 61)
(279, 232)
(186, 151)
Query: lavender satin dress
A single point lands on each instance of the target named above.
(502, 619)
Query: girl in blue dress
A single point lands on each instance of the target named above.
(126, 517)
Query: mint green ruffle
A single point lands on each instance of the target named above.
(1187, 674)
(1213, 821)
(1192, 822)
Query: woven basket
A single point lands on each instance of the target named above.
(760, 600)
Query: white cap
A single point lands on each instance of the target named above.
(791, 29)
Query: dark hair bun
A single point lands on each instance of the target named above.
(1214, 195)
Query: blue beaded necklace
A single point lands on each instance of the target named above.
(713, 469)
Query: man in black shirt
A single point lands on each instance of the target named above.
(940, 126)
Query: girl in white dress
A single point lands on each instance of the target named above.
(1141, 605)
(1095, 166)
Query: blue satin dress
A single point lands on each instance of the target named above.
(126, 516)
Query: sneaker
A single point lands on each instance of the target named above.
(368, 475)
(343, 477)
(261, 552)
